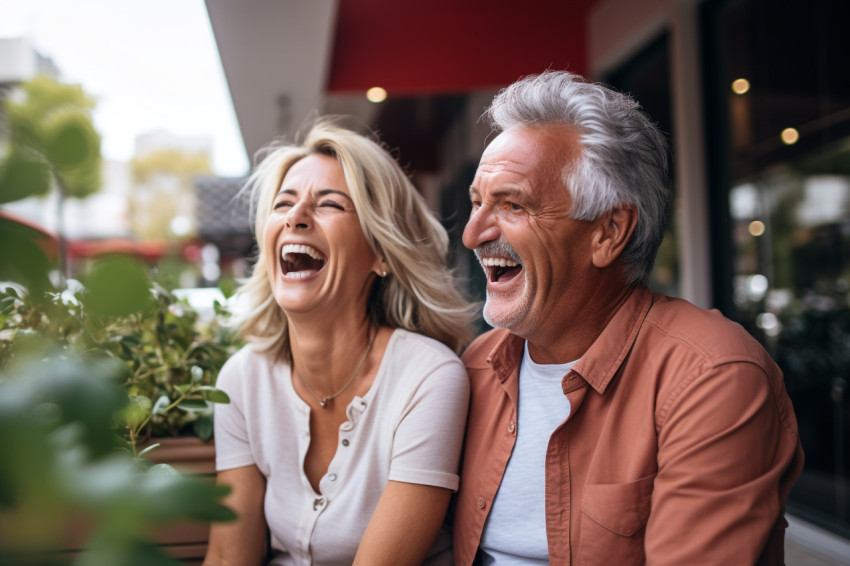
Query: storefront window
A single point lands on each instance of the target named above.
(779, 133)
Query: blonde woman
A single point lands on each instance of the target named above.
(348, 406)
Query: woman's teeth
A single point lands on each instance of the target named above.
(299, 249)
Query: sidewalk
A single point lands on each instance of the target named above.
(808, 545)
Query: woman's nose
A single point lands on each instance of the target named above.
(298, 216)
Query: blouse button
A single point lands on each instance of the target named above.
(332, 477)
(512, 427)
(481, 503)
(345, 442)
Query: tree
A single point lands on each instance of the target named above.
(51, 141)
(164, 189)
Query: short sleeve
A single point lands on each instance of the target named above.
(232, 444)
(429, 436)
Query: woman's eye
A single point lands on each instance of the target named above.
(282, 204)
(332, 204)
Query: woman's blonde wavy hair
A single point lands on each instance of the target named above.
(420, 294)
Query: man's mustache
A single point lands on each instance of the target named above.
(498, 249)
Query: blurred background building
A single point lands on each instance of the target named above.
(754, 96)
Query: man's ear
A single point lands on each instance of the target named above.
(613, 231)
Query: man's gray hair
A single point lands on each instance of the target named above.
(623, 157)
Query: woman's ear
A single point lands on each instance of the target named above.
(613, 232)
(381, 268)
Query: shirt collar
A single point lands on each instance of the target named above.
(604, 357)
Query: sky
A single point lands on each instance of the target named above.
(150, 65)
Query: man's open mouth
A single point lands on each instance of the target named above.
(500, 268)
(299, 261)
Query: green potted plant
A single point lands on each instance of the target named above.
(165, 357)
(170, 357)
(67, 495)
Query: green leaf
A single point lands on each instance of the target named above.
(183, 388)
(137, 411)
(213, 395)
(118, 286)
(228, 287)
(204, 427)
(161, 404)
(23, 176)
(70, 140)
(147, 450)
(193, 405)
(22, 258)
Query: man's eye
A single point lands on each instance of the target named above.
(514, 206)
(476, 204)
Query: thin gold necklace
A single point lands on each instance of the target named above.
(323, 401)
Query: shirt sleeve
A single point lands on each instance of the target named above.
(725, 443)
(232, 443)
(429, 436)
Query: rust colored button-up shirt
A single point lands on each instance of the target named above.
(681, 446)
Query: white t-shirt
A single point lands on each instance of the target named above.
(515, 531)
(407, 428)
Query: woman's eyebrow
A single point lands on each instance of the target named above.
(325, 192)
(320, 192)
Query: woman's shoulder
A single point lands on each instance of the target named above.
(248, 360)
(418, 368)
(423, 360)
(408, 344)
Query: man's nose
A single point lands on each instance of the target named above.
(481, 228)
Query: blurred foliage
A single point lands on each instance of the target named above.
(170, 359)
(21, 257)
(88, 375)
(49, 130)
(179, 163)
(90, 372)
(64, 484)
(165, 190)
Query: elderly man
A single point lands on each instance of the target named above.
(608, 424)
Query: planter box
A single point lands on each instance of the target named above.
(185, 541)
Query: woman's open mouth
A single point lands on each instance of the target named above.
(500, 268)
(299, 261)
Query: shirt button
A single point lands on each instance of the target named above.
(512, 427)
(481, 503)
(345, 442)
(332, 477)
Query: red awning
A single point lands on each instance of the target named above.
(451, 45)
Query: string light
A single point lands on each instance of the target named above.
(756, 228)
(376, 94)
(790, 136)
(740, 86)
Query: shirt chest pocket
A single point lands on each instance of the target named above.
(613, 519)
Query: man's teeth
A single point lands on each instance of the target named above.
(299, 249)
(498, 262)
